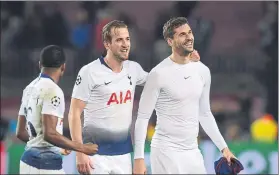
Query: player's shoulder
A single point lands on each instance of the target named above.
(91, 66)
(42, 86)
(31, 84)
(164, 64)
(201, 67)
(131, 64)
(51, 87)
(28, 88)
(159, 70)
(58, 88)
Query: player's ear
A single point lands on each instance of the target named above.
(40, 65)
(106, 44)
(63, 68)
(169, 41)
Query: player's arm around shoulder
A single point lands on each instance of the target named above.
(140, 73)
(195, 56)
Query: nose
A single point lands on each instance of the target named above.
(189, 37)
(125, 44)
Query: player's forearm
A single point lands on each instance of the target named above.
(75, 126)
(140, 135)
(21, 132)
(23, 136)
(63, 142)
(209, 125)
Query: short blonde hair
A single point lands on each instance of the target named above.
(106, 32)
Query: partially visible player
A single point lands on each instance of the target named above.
(41, 113)
(104, 90)
(178, 89)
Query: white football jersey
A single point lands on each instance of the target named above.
(41, 96)
(109, 102)
(180, 95)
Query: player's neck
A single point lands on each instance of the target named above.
(53, 75)
(180, 59)
(114, 64)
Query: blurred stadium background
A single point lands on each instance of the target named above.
(238, 41)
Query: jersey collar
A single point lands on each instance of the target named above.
(42, 75)
(102, 60)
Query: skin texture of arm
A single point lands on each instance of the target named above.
(75, 112)
(55, 138)
(21, 132)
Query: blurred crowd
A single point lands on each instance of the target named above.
(244, 86)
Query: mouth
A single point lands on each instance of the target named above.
(188, 43)
(124, 50)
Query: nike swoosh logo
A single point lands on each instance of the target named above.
(106, 83)
(186, 77)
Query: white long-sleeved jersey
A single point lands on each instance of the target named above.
(180, 96)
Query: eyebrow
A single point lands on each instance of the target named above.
(122, 38)
(185, 32)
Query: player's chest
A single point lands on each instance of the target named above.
(118, 88)
(181, 85)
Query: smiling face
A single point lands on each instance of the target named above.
(179, 36)
(183, 40)
(120, 43)
(116, 39)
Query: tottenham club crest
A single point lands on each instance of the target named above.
(55, 101)
(78, 81)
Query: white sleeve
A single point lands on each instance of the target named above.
(22, 105)
(206, 118)
(83, 85)
(142, 75)
(54, 102)
(147, 104)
